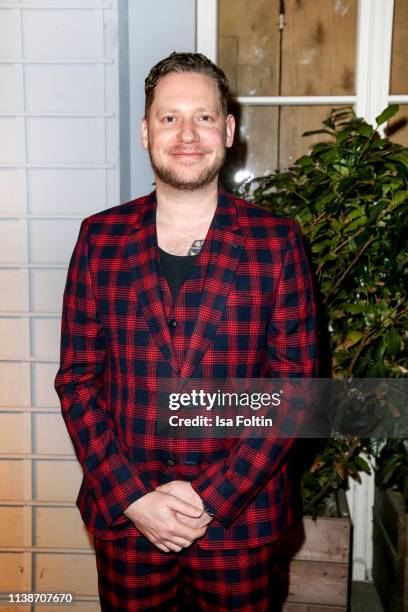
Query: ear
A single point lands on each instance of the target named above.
(229, 130)
(144, 133)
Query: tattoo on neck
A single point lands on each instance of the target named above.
(195, 247)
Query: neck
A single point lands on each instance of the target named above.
(177, 207)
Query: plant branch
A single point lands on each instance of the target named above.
(330, 482)
(347, 270)
(340, 246)
(368, 336)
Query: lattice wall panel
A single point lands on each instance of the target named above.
(59, 162)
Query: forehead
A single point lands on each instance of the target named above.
(181, 88)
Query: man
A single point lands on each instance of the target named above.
(185, 283)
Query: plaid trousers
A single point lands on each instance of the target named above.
(134, 575)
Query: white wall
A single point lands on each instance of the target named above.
(59, 161)
(156, 29)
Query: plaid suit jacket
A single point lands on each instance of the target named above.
(245, 311)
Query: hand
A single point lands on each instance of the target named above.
(184, 491)
(155, 515)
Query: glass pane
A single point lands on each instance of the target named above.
(295, 120)
(249, 45)
(255, 152)
(255, 146)
(399, 72)
(397, 129)
(317, 46)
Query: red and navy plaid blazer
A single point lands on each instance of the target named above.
(245, 311)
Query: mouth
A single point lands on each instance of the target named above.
(188, 157)
(188, 152)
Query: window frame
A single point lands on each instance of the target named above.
(373, 60)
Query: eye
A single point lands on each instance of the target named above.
(169, 119)
(206, 118)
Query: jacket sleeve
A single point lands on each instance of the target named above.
(229, 485)
(109, 475)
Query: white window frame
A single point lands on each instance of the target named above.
(373, 69)
(373, 60)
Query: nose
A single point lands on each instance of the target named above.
(188, 131)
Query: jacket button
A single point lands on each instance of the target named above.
(173, 323)
(170, 463)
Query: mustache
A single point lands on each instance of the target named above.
(183, 149)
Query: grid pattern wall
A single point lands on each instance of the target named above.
(59, 161)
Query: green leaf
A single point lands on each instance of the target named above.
(341, 136)
(356, 223)
(322, 131)
(355, 214)
(393, 342)
(319, 246)
(362, 465)
(388, 471)
(364, 129)
(387, 113)
(305, 160)
(400, 196)
(351, 339)
(354, 308)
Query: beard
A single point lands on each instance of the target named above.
(177, 180)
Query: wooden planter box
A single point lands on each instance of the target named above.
(319, 571)
(390, 554)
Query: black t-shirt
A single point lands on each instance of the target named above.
(175, 268)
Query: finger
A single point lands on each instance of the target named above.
(175, 503)
(196, 523)
(162, 547)
(188, 533)
(172, 547)
(178, 541)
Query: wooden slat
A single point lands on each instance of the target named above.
(66, 573)
(390, 512)
(390, 562)
(11, 572)
(11, 479)
(11, 526)
(299, 607)
(80, 606)
(11, 432)
(50, 435)
(318, 583)
(57, 480)
(60, 527)
(327, 539)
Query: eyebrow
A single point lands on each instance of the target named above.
(200, 109)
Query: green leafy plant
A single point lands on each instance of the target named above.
(350, 196)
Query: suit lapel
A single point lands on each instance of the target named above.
(219, 258)
(221, 253)
(141, 251)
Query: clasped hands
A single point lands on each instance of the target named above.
(171, 517)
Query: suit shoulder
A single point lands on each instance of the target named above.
(120, 213)
(252, 216)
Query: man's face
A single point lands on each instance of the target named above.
(186, 131)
